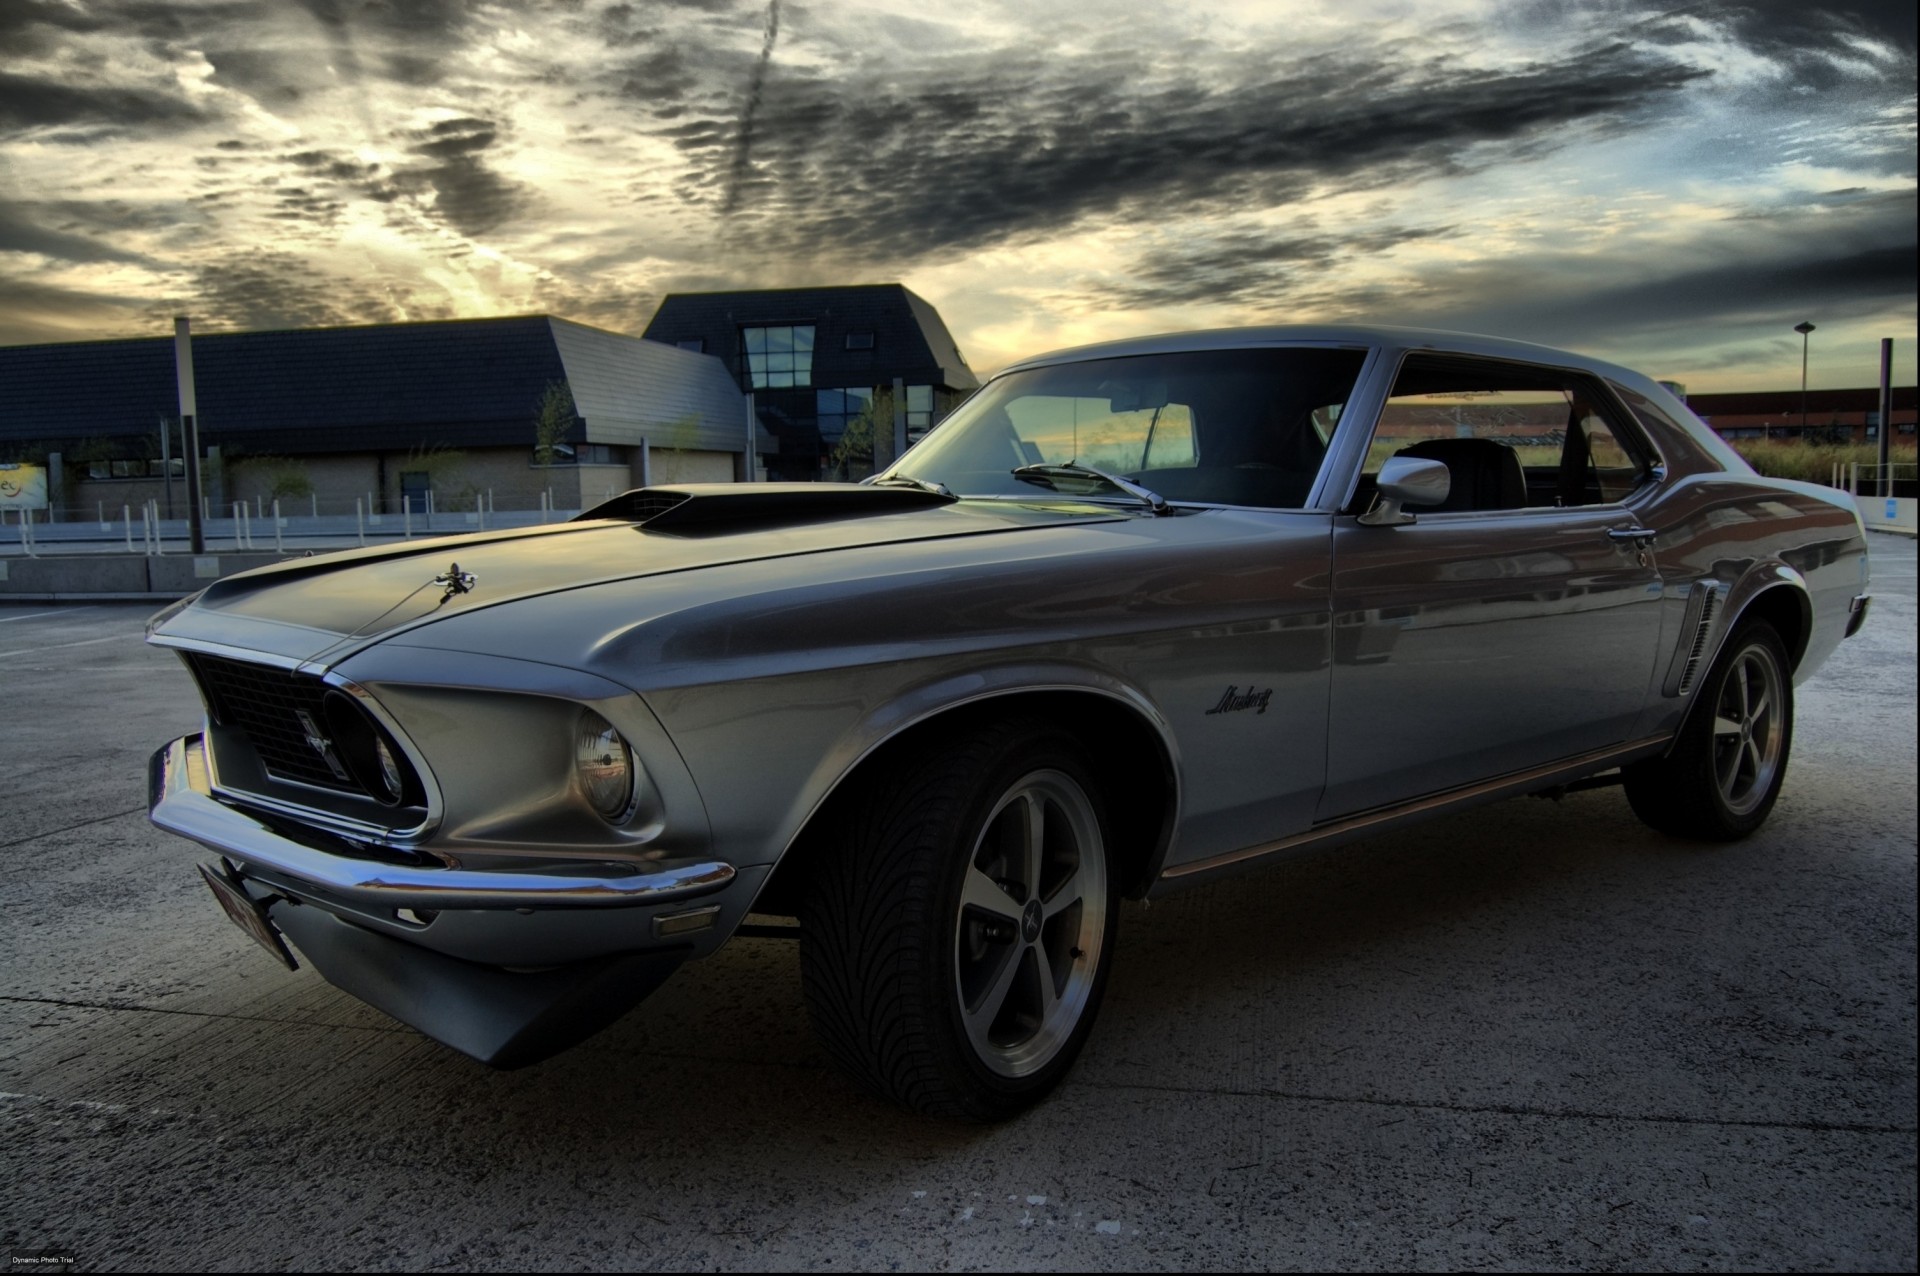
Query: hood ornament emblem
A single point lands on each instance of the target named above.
(455, 581)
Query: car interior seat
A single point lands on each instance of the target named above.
(1486, 475)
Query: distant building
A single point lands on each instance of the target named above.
(816, 359)
(386, 413)
(1832, 416)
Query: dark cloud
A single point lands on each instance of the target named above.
(1769, 272)
(21, 232)
(402, 40)
(983, 149)
(756, 87)
(1787, 30)
(27, 102)
(468, 195)
(1823, 283)
(38, 312)
(1807, 42)
(1249, 269)
(271, 290)
(29, 28)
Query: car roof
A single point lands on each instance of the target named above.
(1326, 334)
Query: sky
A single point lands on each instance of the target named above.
(1670, 187)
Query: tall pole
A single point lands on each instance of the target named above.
(1886, 415)
(189, 428)
(1804, 329)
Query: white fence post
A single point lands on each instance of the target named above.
(126, 517)
(360, 519)
(278, 548)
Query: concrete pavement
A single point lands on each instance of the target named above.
(1534, 1036)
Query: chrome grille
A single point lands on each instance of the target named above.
(264, 705)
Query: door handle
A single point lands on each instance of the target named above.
(1641, 536)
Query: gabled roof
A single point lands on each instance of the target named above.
(460, 382)
(911, 341)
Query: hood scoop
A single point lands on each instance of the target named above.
(724, 507)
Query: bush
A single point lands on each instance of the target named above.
(1814, 463)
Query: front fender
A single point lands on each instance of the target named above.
(767, 754)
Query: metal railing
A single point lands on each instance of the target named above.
(286, 526)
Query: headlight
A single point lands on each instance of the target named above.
(604, 762)
(390, 773)
(364, 747)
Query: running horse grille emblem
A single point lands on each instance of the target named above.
(320, 744)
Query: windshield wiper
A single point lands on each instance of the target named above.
(1046, 474)
(907, 480)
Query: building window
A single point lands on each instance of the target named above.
(859, 341)
(833, 409)
(696, 344)
(583, 454)
(779, 358)
(919, 411)
(136, 469)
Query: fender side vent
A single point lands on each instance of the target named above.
(1702, 607)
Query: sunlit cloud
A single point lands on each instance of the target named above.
(1673, 188)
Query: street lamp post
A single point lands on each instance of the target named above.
(1803, 329)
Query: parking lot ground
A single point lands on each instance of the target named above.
(1535, 1036)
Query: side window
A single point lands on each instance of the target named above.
(1512, 436)
(1615, 472)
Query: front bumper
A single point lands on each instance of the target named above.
(506, 965)
(180, 799)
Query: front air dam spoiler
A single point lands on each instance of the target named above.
(505, 1019)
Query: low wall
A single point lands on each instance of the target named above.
(135, 577)
(1889, 513)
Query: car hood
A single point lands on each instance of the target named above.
(315, 612)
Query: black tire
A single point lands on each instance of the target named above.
(1720, 779)
(925, 947)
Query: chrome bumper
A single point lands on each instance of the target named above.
(180, 800)
(1857, 613)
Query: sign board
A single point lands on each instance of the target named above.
(23, 487)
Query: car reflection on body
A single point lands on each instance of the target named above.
(1135, 617)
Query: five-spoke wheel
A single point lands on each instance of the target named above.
(955, 942)
(1031, 923)
(1724, 771)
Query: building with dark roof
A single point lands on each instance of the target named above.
(383, 412)
(824, 367)
(1832, 416)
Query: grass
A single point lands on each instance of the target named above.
(1814, 462)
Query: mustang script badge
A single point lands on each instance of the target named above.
(1234, 701)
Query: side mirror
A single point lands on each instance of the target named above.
(1407, 480)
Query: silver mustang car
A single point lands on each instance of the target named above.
(1137, 616)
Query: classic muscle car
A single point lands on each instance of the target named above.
(1135, 617)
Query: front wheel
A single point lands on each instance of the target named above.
(955, 944)
(1720, 779)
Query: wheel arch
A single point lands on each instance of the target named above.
(1132, 752)
(1777, 594)
(1774, 593)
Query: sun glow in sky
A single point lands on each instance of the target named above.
(1670, 187)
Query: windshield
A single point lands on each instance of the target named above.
(1220, 427)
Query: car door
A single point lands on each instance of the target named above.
(1512, 626)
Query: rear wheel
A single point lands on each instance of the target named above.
(955, 944)
(1721, 778)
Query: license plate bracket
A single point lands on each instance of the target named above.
(246, 912)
